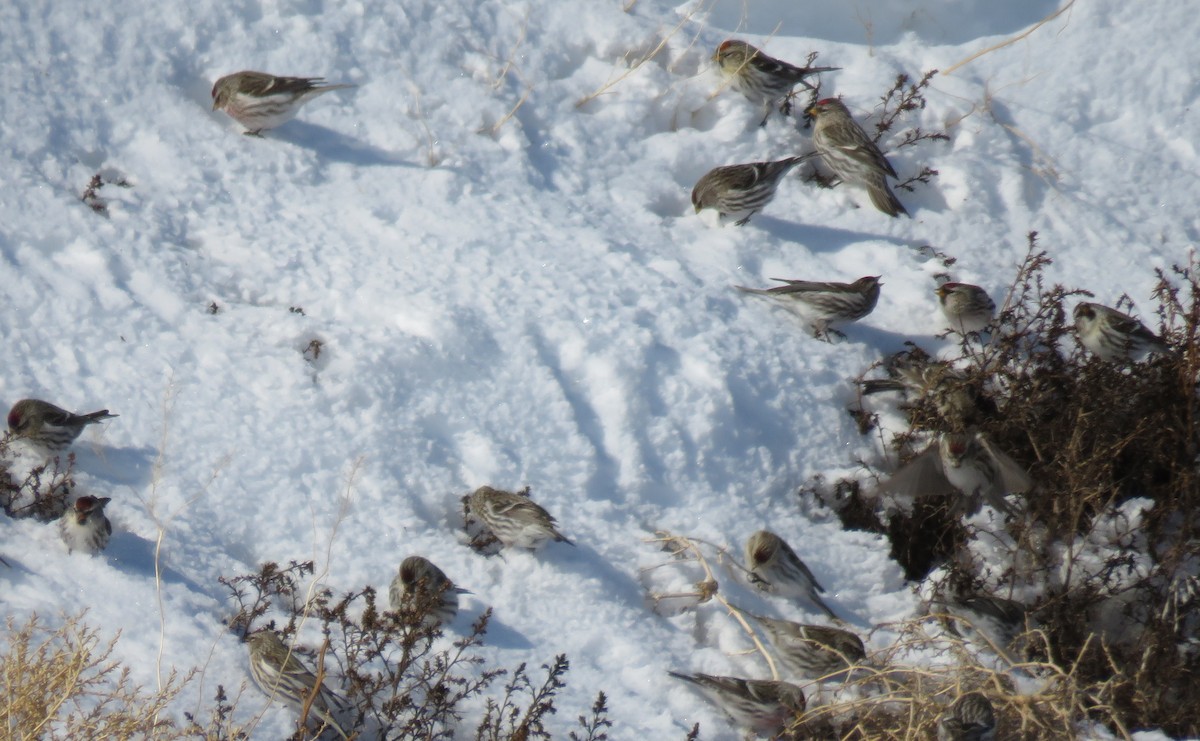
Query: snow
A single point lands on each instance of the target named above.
(510, 288)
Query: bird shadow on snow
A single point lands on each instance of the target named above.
(135, 556)
(128, 466)
(334, 145)
(815, 238)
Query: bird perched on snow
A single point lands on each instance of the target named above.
(424, 586)
(966, 463)
(741, 190)
(513, 519)
(1113, 335)
(854, 158)
(969, 718)
(50, 427)
(968, 308)
(260, 101)
(84, 527)
(280, 674)
(764, 80)
(813, 651)
(775, 568)
(824, 304)
(762, 706)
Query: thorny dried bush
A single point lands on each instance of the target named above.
(400, 680)
(1105, 554)
(91, 195)
(62, 683)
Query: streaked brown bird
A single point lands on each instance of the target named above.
(51, 427)
(427, 589)
(260, 101)
(1113, 335)
(280, 674)
(813, 651)
(763, 79)
(740, 191)
(825, 304)
(968, 308)
(969, 718)
(854, 158)
(514, 520)
(775, 568)
(762, 706)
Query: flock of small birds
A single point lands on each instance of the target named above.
(960, 461)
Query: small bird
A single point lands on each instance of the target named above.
(762, 706)
(775, 568)
(957, 398)
(764, 80)
(813, 651)
(850, 153)
(260, 101)
(84, 527)
(989, 620)
(280, 674)
(826, 304)
(969, 718)
(741, 190)
(424, 586)
(1113, 335)
(51, 427)
(967, 307)
(966, 463)
(513, 519)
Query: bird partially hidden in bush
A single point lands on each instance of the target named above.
(1113, 335)
(280, 674)
(969, 718)
(426, 588)
(967, 308)
(762, 706)
(964, 463)
(813, 651)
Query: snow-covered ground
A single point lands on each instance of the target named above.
(492, 240)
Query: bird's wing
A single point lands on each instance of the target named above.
(921, 477)
(1015, 478)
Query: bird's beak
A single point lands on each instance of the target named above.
(215, 104)
(812, 111)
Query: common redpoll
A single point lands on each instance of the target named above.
(763, 706)
(992, 621)
(966, 463)
(741, 190)
(513, 519)
(49, 426)
(956, 397)
(813, 651)
(84, 527)
(775, 568)
(424, 586)
(279, 673)
(969, 718)
(850, 153)
(763, 79)
(826, 304)
(1113, 335)
(260, 101)
(968, 308)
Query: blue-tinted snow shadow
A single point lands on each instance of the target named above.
(128, 466)
(336, 146)
(815, 238)
(135, 556)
